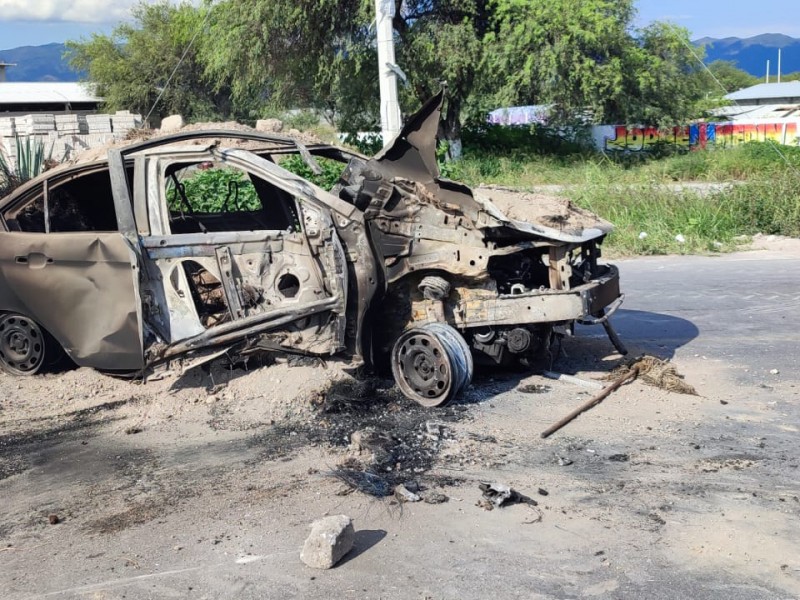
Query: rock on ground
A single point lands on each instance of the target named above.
(172, 123)
(330, 539)
(269, 125)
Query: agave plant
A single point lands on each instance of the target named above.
(31, 162)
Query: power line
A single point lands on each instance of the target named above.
(177, 66)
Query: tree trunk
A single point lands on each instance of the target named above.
(450, 129)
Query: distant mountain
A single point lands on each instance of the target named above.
(38, 63)
(752, 54)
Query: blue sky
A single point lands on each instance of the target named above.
(725, 18)
(35, 22)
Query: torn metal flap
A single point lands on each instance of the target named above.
(412, 154)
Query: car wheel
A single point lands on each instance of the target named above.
(24, 346)
(432, 364)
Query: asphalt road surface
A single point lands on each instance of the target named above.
(742, 308)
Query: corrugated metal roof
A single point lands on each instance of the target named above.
(773, 112)
(45, 93)
(788, 89)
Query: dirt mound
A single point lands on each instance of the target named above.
(555, 212)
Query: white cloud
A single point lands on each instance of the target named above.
(78, 11)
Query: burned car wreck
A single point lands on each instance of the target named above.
(122, 264)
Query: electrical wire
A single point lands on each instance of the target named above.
(177, 66)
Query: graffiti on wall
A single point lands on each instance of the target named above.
(621, 138)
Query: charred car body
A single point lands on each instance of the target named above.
(119, 263)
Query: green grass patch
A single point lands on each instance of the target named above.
(526, 167)
(711, 223)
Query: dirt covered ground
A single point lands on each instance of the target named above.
(204, 485)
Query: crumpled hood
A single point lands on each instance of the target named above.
(549, 216)
(411, 155)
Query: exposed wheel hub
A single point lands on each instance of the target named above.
(22, 345)
(431, 364)
(423, 364)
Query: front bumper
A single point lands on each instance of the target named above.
(586, 302)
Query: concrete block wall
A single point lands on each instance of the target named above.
(66, 134)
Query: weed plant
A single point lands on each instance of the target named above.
(652, 219)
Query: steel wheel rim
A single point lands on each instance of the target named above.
(424, 368)
(22, 345)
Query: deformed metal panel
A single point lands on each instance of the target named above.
(81, 287)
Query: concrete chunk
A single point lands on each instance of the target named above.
(330, 539)
(172, 123)
(269, 125)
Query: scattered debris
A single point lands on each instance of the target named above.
(403, 494)
(593, 385)
(534, 388)
(330, 539)
(655, 371)
(498, 495)
(364, 482)
(652, 370)
(435, 498)
(591, 403)
(433, 428)
(487, 439)
(53, 519)
(619, 457)
(345, 490)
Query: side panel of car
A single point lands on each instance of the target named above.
(64, 264)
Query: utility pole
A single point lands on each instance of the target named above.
(387, 70)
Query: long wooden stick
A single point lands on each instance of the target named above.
(632, 374)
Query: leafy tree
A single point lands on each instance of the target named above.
(581, 54)
(132, 65)
(321, 53)
(252, 56)
(724, 77)
(286, 52)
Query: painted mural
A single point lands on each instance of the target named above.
(621, 138)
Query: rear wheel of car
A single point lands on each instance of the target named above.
(432, 364)
(25, 348)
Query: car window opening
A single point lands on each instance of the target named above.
(83, 203)
(205, 197)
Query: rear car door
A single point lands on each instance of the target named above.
(65, 263)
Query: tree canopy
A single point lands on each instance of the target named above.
(131, 66)
(582, 57)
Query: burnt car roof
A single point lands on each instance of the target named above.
(279, 144)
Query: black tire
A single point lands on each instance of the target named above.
(432, 364)
(25, 348)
